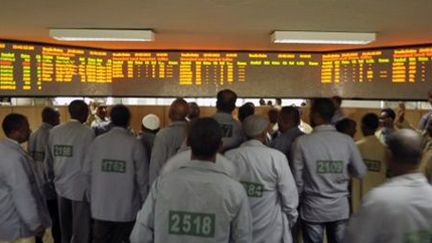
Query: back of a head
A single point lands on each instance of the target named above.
(278, 101)
(78, 110)
(290, 113)
(405, 146)
(120, 116)
(324, 107)
(194, 111)
(370, 122)
(205, 137)
(337, 100)
(273, 115)
(50, 115)
(226, 100)
(13, 122)
(178, 110)
(346, 126)
(389, 112)
(246, 110)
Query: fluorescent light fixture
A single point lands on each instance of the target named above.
(309, 37)
(101, 35)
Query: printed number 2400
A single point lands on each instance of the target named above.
(195, 224)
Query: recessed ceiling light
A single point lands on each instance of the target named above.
(310, 37)
(101, 35)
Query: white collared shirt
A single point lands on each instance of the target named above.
(399, 211)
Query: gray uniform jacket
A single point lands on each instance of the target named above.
(270, 186)
(182, 158)
(22, 205)
(67, 145)
(399, 211)
(167, 142)
(36, 147)
(118, 170)
(231, 130)
(284, 141)
(147, 140)
(323, 162)
(194, 204)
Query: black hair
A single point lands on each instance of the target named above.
(344, 124)
(370, 121)
(13, 122)
(78, 109)
(337, 99)
(226, 100)
(290, 113)
(324, 107)
(49, 114)
(390, 113)
(205, 137)
(246, 110)
(120, 116)
(273, 115)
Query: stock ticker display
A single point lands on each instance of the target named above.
(46, 70)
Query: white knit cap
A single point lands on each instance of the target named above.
(254, 125)
(151, 122)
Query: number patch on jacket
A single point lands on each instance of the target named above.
(194, 224)
(253, 189)
(418, 237)
(227, 130)
(63, 150)
(116, 166)
(373, 165)
(329, 166)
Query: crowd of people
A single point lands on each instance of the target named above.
(260, 179)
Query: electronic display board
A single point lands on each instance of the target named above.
(39, 70)
(392, 73)
(47, 70)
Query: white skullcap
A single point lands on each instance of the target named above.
(151, 122)
(254, 125)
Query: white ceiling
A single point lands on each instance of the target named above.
(220, 24)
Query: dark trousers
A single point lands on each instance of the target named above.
(75, 222)
(111, 232)
(55, 224)
(314, 232)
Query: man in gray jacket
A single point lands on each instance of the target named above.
(323, 163)
(231, 129)
(196, 203)
(118, 171)
(169, 140)
(23, 212)
(399, 211)
(67, 146)
(288, 123)
(269, 184)
(36, 147)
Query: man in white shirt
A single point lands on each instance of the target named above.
(269, 184)
(23, 211)
(36, 147)
(196, 203)
(323, 163)
(68, 144)
(118, 171)
(400, 211)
